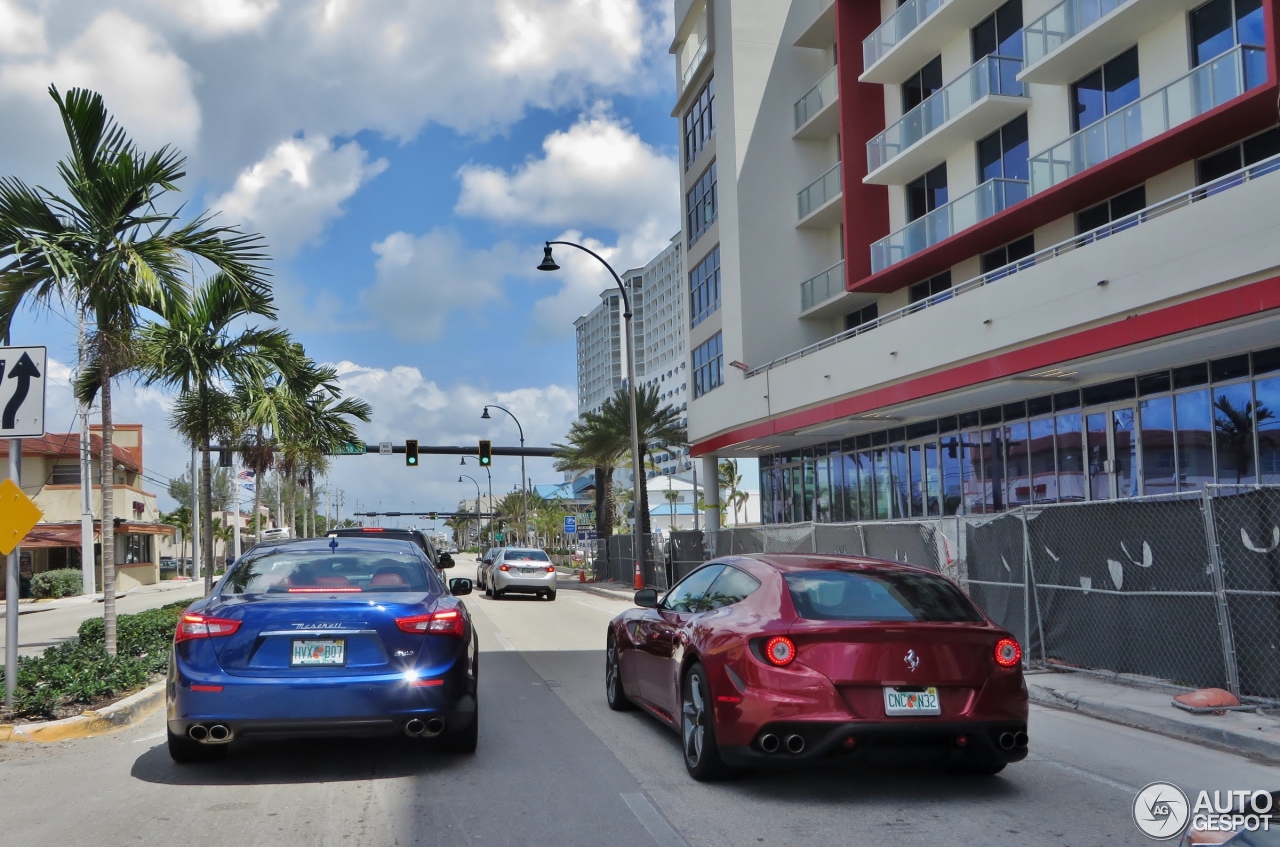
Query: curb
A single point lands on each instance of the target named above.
(117, 716)
(602, 592)
(1264, 745)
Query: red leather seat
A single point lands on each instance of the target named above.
(389, 576)
(332, 582)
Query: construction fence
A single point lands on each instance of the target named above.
(1184, 588)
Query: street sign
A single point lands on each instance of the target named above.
(22, 375)
(350, 448)
(499, 537)
(570, 525)
(18, 516)
(384, 448)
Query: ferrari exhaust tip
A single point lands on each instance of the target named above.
(218, 732)
(435, 726)
(198, 732)
(1006, 741)
(1020, 740)
(770, 743)
(795, 744)
(414, 727)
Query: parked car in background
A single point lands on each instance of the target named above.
(483, 564)
(522, 570)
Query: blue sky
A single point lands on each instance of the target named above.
(404, 160)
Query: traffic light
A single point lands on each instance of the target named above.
(433, 516)
(224, 457)
(411, 452)
(486, 453)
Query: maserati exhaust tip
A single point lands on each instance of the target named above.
(795, 744)
(414, 727)
(770, 743)
(198, 732)
(1006, 741)
(1020, 740)
(435, 726)
(218, 732)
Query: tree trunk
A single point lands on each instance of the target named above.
(642, 495)
(206, 517)
(108, 534)
(600, 501)
(604, 523)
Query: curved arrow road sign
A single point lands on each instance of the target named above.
(22, 379)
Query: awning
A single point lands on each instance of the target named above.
(68, 534)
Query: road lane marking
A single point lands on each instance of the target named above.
(502, 639)
(651, 820)
(597, 608)
(1128, 789)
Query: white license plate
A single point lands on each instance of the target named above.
(917, 702)
(528, 570)
(328, 652)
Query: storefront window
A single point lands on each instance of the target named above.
(883, 484)
(1044, 478)
(993, 470)
(971, 472)
(901, 494)
(1268, 421)
(952, 487)
(822, 496)
(932, 486)
(1195, 440)
(1233, 430)
(1017, 465)
(1070, 443)
(916, 493)
(1158, 468)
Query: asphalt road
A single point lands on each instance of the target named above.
(557, 768)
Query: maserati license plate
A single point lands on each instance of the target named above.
(326, 652)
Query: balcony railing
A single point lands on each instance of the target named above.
(1063, 23)
(692, 67)
(896, 27)
(822, 287)
(993, 196)
(821, 95)
(1205, 88)
(989, 75)
(1153, 212)
(819, 192)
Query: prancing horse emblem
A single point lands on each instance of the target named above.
(912, 660)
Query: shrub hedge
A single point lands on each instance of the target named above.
(81, 672)
(63, 582)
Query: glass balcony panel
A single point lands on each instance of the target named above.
(687, 76)
(989, 75)
(819, 192)
(1063, 23)
(896, 27)
(817, 98)
(990, 198)
(822, 287)
(1206, 87)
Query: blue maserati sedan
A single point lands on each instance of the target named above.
(331, 636)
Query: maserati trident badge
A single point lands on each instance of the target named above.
(912, 660)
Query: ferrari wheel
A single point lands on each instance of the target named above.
(698, 728)
(613, 691)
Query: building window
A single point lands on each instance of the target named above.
(1218, 26)
(704, 287)
(930, 287)
(701, 204)
(65, 473)
(136, 549)
(1111, 210)
(1004, 153)
(1237, 156)
(708, 365)
(865, 315)
(1111, 87)
(927, 193)
(700, 122)
(1000, 34)
(921, 85)
(1012, 252)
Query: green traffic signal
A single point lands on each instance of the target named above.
(486, 453)
(411, 452)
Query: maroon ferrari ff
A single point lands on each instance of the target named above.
(788, 659)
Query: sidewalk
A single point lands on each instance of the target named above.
(612, 590)
(28, 606)
(1150, 708)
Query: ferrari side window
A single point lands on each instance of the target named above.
(732, 586)
(686, 594)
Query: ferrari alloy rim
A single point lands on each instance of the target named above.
(611, 672)
(694, 729)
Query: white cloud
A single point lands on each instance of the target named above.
(291, 194)
(423, 280)
(21, 31)
(215, 18)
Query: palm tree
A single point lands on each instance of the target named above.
(730, 484)
(1235, 431)
(107, 249)
(591, 447)
(197, 350)
(660, 429)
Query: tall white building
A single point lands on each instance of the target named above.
(1033, 253)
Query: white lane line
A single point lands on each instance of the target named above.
(654, 822)
(502, 639)
(153, 737)
(597, 608)
(1098, 778)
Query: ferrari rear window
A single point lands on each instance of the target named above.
(282, 571)
(886, 596)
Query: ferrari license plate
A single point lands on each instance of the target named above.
(327, 652)
(915, 701)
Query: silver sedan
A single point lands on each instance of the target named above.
(521, 570)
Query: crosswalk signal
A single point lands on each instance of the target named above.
(411, 452)
(486, 453)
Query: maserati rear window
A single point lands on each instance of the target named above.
(352, 572)
(887, 596)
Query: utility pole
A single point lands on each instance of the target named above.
(235, 486)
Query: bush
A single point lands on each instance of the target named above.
(63, 582)
(80, 671)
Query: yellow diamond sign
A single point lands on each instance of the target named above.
(18, 515)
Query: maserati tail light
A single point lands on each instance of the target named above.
(1008, 653)
(191, 627)
(443, 622)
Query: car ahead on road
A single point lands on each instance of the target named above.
(483, 564)
(521, 570)
(441, 561)
(330, 636)
(788, 659)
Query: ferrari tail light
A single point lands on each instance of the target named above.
(191, 627)
(780, 651)
(443, 622)
(1008, 653)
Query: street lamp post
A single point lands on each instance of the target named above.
(477, 504)
(549, 264)
(524, 488)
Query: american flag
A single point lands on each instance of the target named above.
(246, 475)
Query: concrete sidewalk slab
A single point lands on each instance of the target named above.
(612, 590)
(28, 607)
(1151, 708)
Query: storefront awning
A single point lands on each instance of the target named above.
(47, 535)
